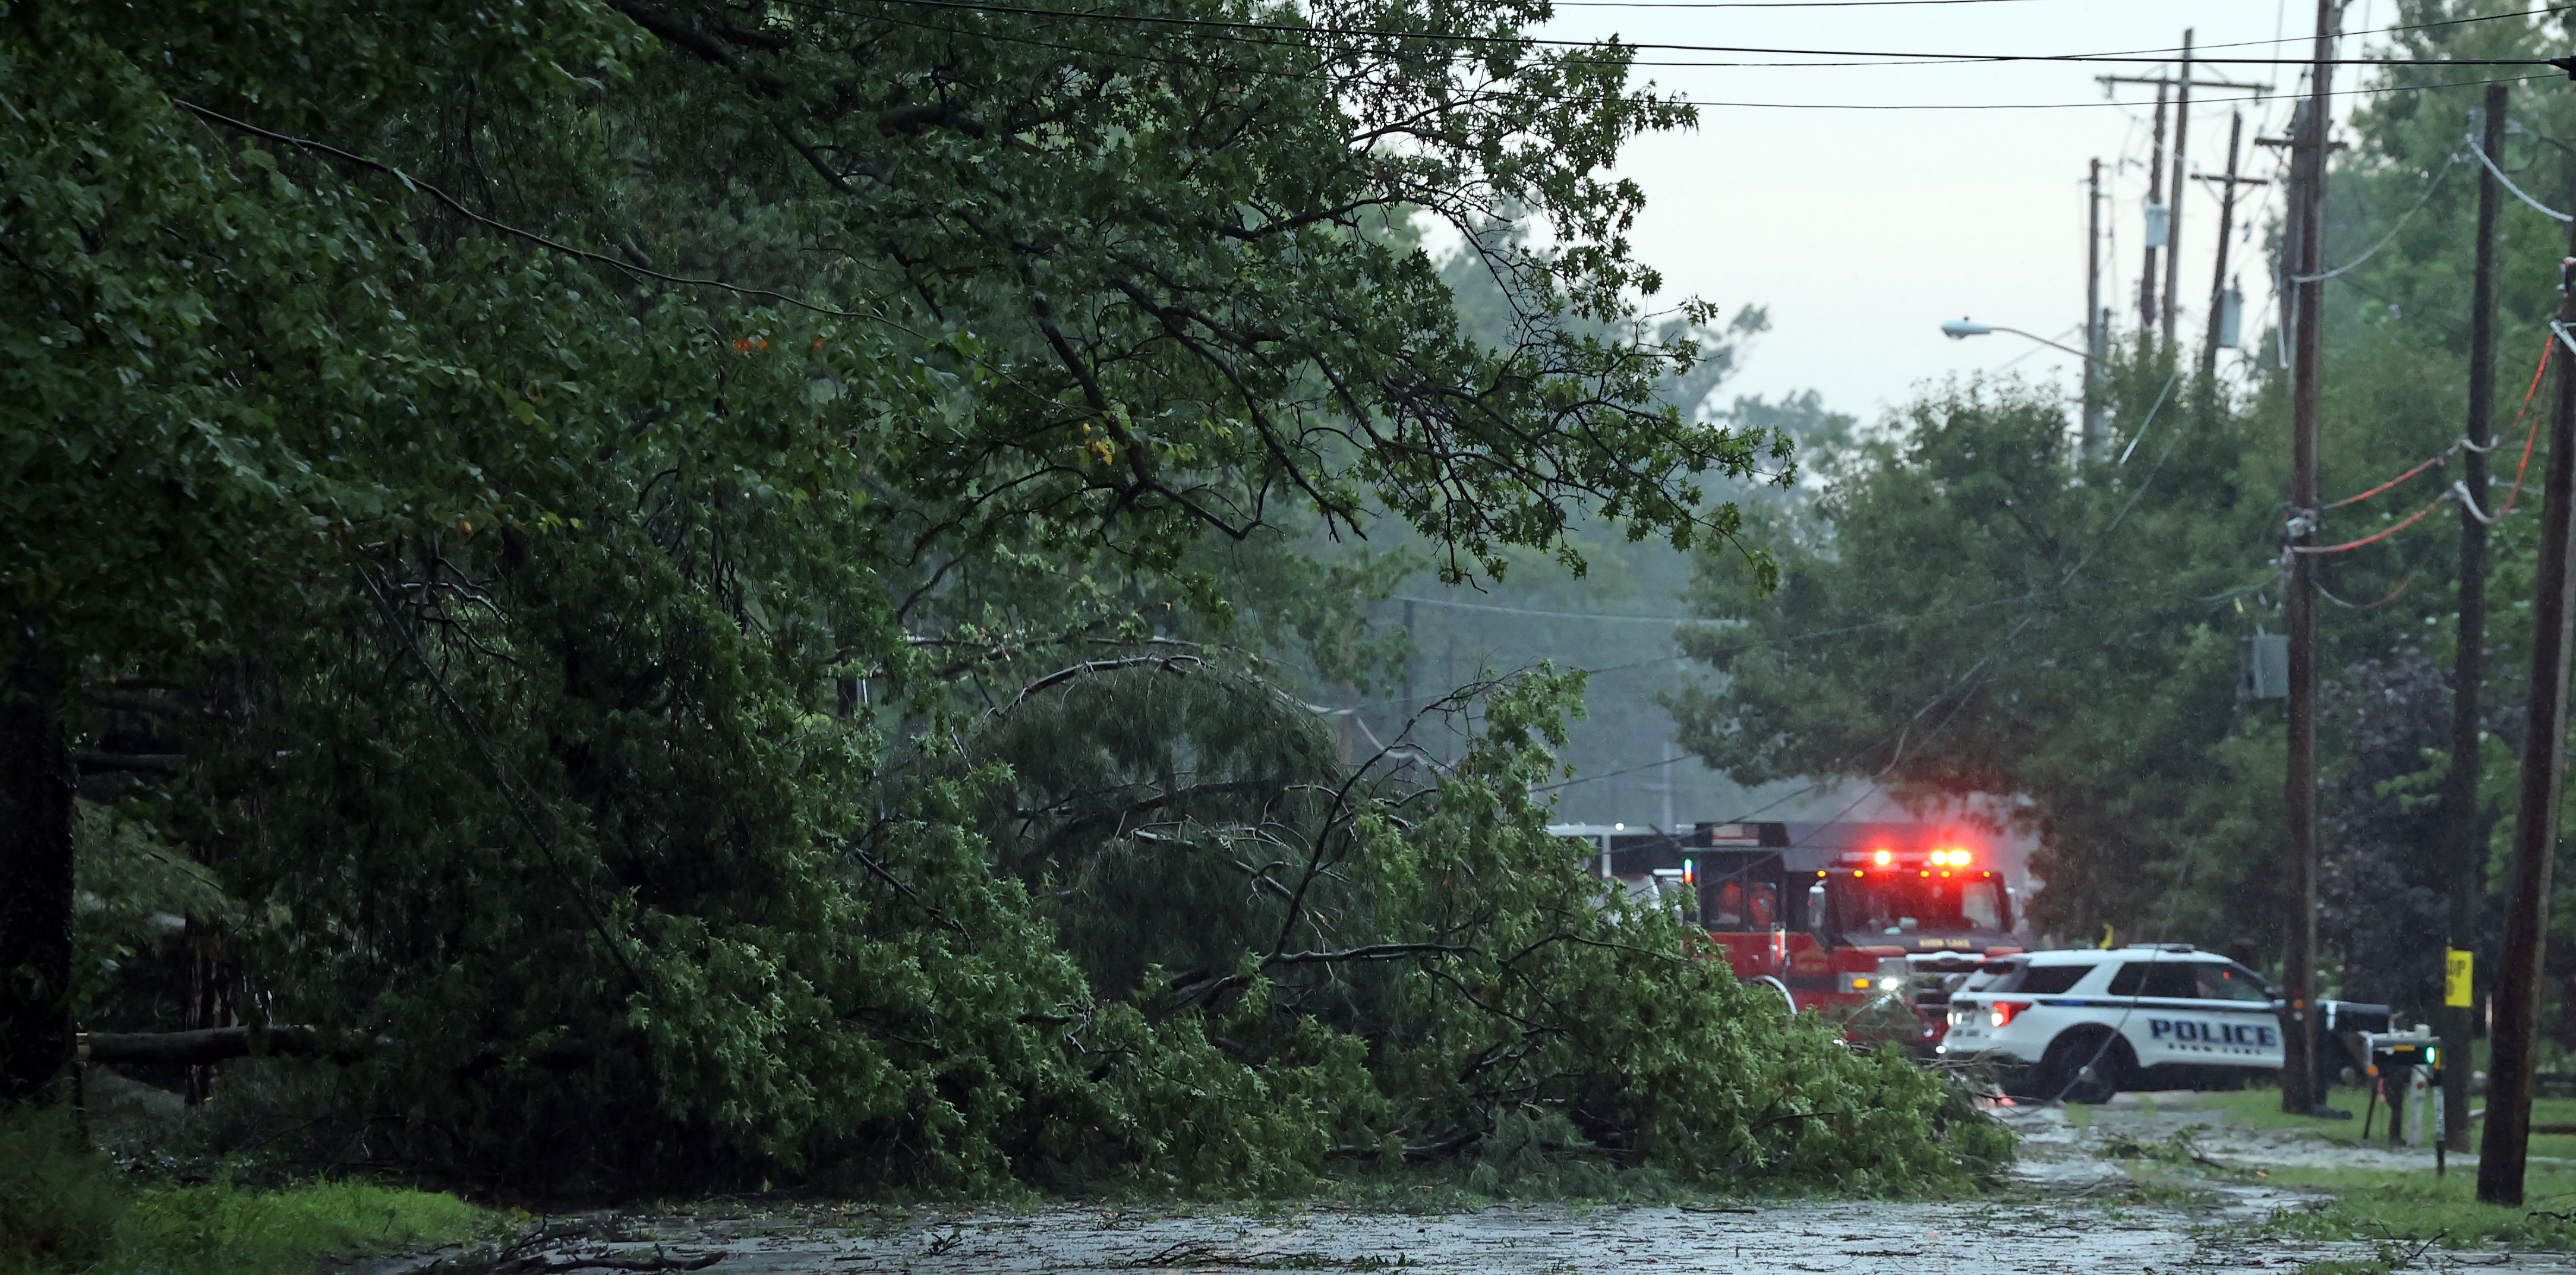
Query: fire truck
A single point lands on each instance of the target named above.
(1840, 917)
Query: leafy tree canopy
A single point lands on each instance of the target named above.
(698, 576)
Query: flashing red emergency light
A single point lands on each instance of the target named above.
(1690, 873)
(1952, 855)
(1883, 858)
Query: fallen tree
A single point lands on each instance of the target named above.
(219, 1044)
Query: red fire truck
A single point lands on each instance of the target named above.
(1838, 916)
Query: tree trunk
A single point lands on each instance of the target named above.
(35, 884)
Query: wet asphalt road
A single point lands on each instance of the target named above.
(2069, 1209)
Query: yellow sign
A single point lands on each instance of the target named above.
(2455, 977)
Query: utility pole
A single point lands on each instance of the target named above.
(2149, 316)
(2291, 244)
(2226, 228)
(2515, 1037)
(2097, 321)
(2299, 1094)
(2173, 213)
(2155, 201)
(2468, 670)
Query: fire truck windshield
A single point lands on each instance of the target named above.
(1903, 905)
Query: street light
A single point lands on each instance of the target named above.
(1961, 329)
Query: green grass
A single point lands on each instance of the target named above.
(65, 1210)
(2397, 1211)
(217, 1229)
(2261, 1109)
(2414, 1207)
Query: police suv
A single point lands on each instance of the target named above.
(2082, 1025)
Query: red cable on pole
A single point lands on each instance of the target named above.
(2438, 501)
(2548, 346)
(2445, 453)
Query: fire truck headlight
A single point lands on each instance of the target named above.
(1887, 984)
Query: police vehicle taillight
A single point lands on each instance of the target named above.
(2001, 1013)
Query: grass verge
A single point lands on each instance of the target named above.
(2414, 1207)
(65, 1210)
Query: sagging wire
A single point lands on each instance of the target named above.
(2481, 153)
(2385, 240)
(2119, 1032)
(2459, 490)
(2377, 536)
(2547, 349)
(2402, 586)
(2438, 458)
(2141, 435)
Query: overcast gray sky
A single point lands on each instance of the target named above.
(1863, 229)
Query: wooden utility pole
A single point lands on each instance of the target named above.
(2149, 316)
(2468, 825)
(2226, 228)
(2515, 1037)
(2299, 964)
(2173, 214)
(2096, 319)
(2155, 199)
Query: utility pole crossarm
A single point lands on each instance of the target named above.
(2197, 83)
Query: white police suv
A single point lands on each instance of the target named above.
(2082, 1025)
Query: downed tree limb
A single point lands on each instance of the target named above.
(657, 1262)
(488, 1263)
(215, 1044)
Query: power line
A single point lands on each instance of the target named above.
(2061, 106)
(1569, 615)
(1473, 97)
(1758, 4)
(1880, 57)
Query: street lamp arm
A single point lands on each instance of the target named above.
(2050, 344)
(1961, 329)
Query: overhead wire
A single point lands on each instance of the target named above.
(2429, 187)
(2480, 151)
(1472, 95)
(1878, 57)
(1570, 615)
(2377, 536)
(1760, 4)
(2548, 348)
(2402, 586)
(2457, 491)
